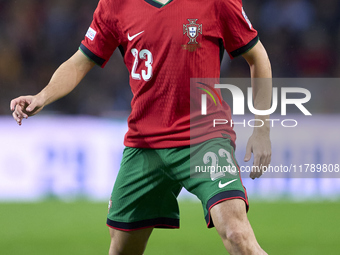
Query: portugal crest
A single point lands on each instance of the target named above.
(192, 30)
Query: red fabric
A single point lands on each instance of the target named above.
(160, 116)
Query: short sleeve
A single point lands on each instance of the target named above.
(101, 38)
(239, 36)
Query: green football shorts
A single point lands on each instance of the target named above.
(149, 181)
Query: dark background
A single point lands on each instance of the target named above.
(302, 39)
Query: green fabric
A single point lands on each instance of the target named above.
(149, 180)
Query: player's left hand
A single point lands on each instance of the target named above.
(258, 144)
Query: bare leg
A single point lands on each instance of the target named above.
(129, 242)
(231, 222)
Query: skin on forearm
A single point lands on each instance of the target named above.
(66, 78)
(259, 142)
(261, 75)
(262, 93)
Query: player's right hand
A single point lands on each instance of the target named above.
(24, 107)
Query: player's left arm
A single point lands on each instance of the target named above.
(261, 74)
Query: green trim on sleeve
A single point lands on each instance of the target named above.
(86, 55)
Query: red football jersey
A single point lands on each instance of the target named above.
(163, 47)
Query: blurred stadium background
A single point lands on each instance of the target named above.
(57, 170)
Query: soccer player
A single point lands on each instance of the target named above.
(164, 44)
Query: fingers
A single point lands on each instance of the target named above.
(261, 148)
(20, 109)
(31, 107)
(247, 157)
(18, 106)
(18, 114)
(261, 163)
(14, 102)
(18, 101)
(256, 170)
(17, 117)
(267, 159)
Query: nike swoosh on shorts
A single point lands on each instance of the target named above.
(220, 185)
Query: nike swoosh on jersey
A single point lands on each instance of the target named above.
(220, 185)
(130, 38)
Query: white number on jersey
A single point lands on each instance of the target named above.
(143, 54)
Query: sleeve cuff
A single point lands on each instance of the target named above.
(98, 60)
(245, 48)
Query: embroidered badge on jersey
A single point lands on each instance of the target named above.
(91, 33)
(192, 30)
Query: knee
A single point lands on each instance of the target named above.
(235, 235)
(120, 247)
(117, 249)
(238, 237)
(241, 241)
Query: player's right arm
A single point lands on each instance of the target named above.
(63, 81)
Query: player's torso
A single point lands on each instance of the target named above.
(161, 41)
(163, 48)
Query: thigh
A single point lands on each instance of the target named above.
(230, 214)
(143, 195)
(214, 175)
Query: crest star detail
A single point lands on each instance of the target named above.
(192, 30)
